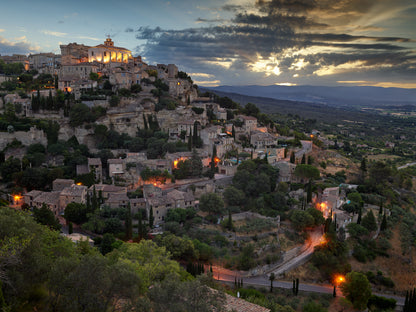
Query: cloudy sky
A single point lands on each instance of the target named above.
(234, 42)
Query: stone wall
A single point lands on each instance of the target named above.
(27, 138)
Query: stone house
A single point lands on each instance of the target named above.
(50, 199)
(116, 167)
(262, 140)
(107, 190)
(72, 194)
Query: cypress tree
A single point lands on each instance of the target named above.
(359, 216)
(380, 211)
(70, 228)
(146, 126)
(129, 223)
(406, 302)
(310, 160)
(303, 161)
(292, 157)
(140, 229)
(334, 293)
(233, 132)
(151, 218)
(190, 142)
(195, 135)
(230, 221)
(309, 193)
(88, 204)
(294, 287)
(94, 200)
(297, 286)
(383, 224)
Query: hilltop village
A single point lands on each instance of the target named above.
(133, 98)
(115, 152)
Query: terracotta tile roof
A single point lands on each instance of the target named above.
(74, 190)
(116, 161)
(49, 198)
(240, 305)
(94, 161)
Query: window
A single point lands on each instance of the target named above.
(92, 53)
(105, 53)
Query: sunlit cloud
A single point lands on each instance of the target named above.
(89, 38)
(285, 84)
(2, 30)
(307, 40)
(54, 33)
(202, 75)
(208, 83)
(267, 66)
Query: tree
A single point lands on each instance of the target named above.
(307, 172)
(251, 110)
(369, 221)
(151, 218)
(211, 203)
(234, 196)
(317, 216)
(292, 157)
(76, 213)
(301, 220)
(383, 225)
(303, 161)
(309, 192)
(107, 242)
(271, 279)
(357, 289)
(196, 164)
(45, 216)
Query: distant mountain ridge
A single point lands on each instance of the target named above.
(331, 96)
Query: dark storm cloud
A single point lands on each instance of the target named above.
(270, 28)
(129, 30)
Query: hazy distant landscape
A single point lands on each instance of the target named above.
(331, 96)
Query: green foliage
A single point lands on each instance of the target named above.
(256, 225)
(45, 271)
(301, 220)
(369, 221)
(331, 258)
(179, 248)
(211, 203)
(307, 172)
(255, 177)
(246, 259)
(46, 217)
(79, 114)
(313, 306)
(234, 196)
(198, 110)
(381, 303)
(357, 289)
(76, 213)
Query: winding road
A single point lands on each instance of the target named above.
(262, 280)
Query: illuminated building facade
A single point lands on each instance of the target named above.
(108, 53)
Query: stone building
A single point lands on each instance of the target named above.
(107, 53)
